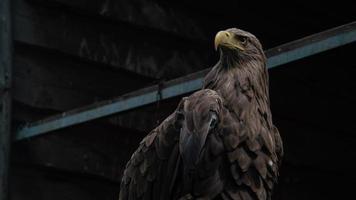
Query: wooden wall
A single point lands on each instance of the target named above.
(73, 53)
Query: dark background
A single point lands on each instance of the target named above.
(71, 53)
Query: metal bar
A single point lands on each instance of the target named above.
(311, 45)
(277, 56)
(5, 99)
(127, 102)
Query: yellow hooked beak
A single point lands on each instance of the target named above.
(227, 39)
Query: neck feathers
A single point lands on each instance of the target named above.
(251, 76)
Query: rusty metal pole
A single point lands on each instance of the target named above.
(5, 98)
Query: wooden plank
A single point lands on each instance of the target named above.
(148, 14)
(317, 90)
(5, 98)
(81, 150)
(47, 80)
(308, 144)
(184, 85)
(121, 45)
(38, 183)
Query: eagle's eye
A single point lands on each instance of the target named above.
(242, 39)
(213, 120)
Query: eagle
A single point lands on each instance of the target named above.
(220, 142)
(240, 77)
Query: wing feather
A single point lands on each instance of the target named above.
(252, 164)
(151, 171)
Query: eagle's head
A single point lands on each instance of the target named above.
(238, 46)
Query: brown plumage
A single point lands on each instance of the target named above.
(240, 77)
(165, 165)
(219, 143)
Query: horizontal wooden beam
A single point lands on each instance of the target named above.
(147, 52)
(48, 80)
(31, 182)
(147, 14)
(81, 150)
(277, 56)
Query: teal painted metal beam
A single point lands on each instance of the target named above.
(276, 57)
(5, 98)
(311, 45)
(133, 100)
